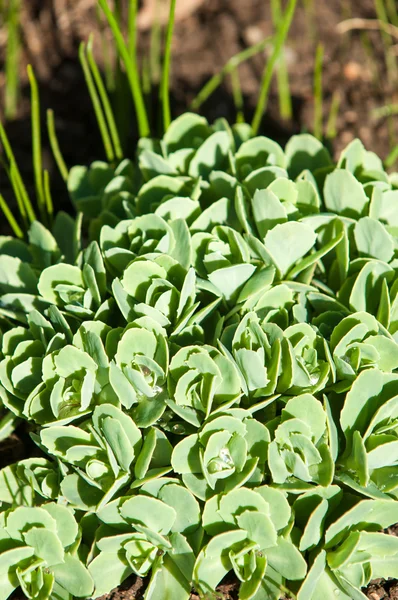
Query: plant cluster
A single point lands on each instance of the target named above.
(210, 378)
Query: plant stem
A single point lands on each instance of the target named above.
(213, 83)
(105, 101)
(387, 39)
(47, 195)
(16, 179)
(331, 127)
(318, 95)
(155, 47)
(36, 143)
(285, 100)
(237, 95)
(131, 70)
(10, 218)
(132, 29)
(12, 59)
(166, 68)
(279, 41)
(392, 158)
(99, 113)
(52, 136)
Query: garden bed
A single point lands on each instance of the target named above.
(206, 37)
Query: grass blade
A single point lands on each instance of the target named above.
(36, 143)
(318, 93)
(331, 127)
(17, 183)
(285, 99)
(132, 29)
(52, 136)
(105, 101)
(387, 39)
(47, 195)
(155, 48)
(392, 11)
(12, 59)
(131, 70)
(279, 41)
(109, 66)
(13, 177)
(10, 218)
(237, 96)
(210, 87)
(166, 67)
(99, 113)
(392, 158)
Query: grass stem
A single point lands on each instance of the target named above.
(12, 59)
(237, 96)
(36, 143)
(279, 40)
(318, 92)
(52, 136)
(131, 70)
(111, 123)
(48, 197)
(331, 127)
(285, 100)
(10, 218)
(17, 183)
(166, 68)
(99, 113)
(210, 87)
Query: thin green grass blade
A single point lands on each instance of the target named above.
(12, 59)
(10, 172)
(237, 96)
(121, 96)
(210, 87)
(318, 92)
(52, 136)
(109, 63)
(146, 77)
(370, 56)
(387, 40)
(166, 67)
(36, 143)
(385, 111)
(17, 183)
(391, 158)
(99, 113)
(10, 218)
(331, 127)
(392, 11)
(13, 177)
(132, 29)
(391, 131)
(279, 41)
(48, 196)
(131, 70)
(285, 99)
(155, 49)
(310, 17)
(110, 118)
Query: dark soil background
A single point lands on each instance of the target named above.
(207, 34)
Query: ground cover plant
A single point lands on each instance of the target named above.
(206, 359)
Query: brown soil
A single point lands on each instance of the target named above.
(207, 34)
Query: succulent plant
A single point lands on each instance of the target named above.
(208, 367)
